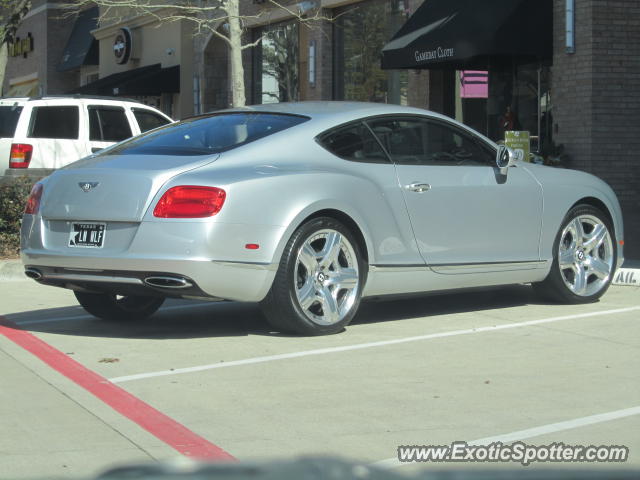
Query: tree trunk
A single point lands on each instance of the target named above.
(235, 53)
(4, 54)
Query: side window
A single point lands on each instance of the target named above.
(413, 141)
(148, 120)
(54, 122)
(108, 124)
(355, 143)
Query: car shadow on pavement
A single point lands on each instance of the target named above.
(445, 303)
(179, 319)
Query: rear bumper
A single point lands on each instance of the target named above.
(211, 258)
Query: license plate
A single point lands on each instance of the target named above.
(87, 235)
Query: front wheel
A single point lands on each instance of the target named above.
(584, 257)
(319, 281)
(116, 307)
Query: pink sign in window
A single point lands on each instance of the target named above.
(474, 84)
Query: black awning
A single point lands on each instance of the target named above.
(82, 47)
(149, 80)
(473, 34)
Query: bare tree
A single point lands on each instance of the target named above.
(221, 18)
(11, 14)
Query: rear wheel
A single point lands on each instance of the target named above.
(584, 257)
(117, 307)
(319, 281)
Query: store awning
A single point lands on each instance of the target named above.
(473, 34)
(149, 80)
(82, 47)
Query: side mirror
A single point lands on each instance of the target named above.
(504, 159)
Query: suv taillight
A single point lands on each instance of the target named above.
(33, 202)
(20, 155)
(188, 201)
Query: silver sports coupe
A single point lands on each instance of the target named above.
(309, 207)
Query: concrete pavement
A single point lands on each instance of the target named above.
(423, 371)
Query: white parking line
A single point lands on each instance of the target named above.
(534, 432)
(87, 316)
(360, 346)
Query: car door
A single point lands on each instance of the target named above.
(465, 215)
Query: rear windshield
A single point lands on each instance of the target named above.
(207, 135)
(9, 116)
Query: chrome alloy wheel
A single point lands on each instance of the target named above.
(326, 277)
(586, 255)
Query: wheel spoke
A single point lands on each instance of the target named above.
(307, 295)
(580, 280)
(345, 278)
(308, 258)
(329, 304)
(567, 257)
(577, 230)
(599, 268)
(331, 250)
(594, 239)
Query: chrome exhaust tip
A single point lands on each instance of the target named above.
(33, 273)
(168, 282)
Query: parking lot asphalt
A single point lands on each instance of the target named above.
(78, 394)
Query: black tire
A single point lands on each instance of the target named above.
(577, 267)
(121, 308)
(283, 306)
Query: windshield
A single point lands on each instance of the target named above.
(9, 116)
(207, 135)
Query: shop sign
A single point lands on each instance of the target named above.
(21, 46)
(122, 46)
(435, 54)
(520, 143)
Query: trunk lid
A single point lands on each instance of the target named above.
(112, 188)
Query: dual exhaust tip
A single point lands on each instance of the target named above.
(158, 281)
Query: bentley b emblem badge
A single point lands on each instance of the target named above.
(86, 186)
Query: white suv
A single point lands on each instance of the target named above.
(50, 132)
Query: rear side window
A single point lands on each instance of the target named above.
(206, 135)
(148, 120)
(355, 143)
(9, 116)
(108, 124)
(54, 122)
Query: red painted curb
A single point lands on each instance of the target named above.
(174, 434)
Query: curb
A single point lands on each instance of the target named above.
(12, 270)
(627, 275)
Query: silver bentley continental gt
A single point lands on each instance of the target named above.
(309, 207)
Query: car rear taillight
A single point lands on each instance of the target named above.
(33, 202)
(20, 155)
(188, 201)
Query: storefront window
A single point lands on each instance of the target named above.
(360, 32)
(276, 64)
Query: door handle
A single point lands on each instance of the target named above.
(418, 187)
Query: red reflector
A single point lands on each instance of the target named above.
(252, 246)
(20, 155)
(622, 243)
(33, 202)
(188, 201)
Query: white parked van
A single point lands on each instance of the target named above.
(51, 132)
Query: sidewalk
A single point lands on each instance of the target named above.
(629, 274)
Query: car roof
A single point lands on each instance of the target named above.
(328, 114)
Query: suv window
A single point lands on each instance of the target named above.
(108, 124)
(208, 134)
(355, 143)
(9, 116)
(428, 142)
(55, 122)
(148, 120)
